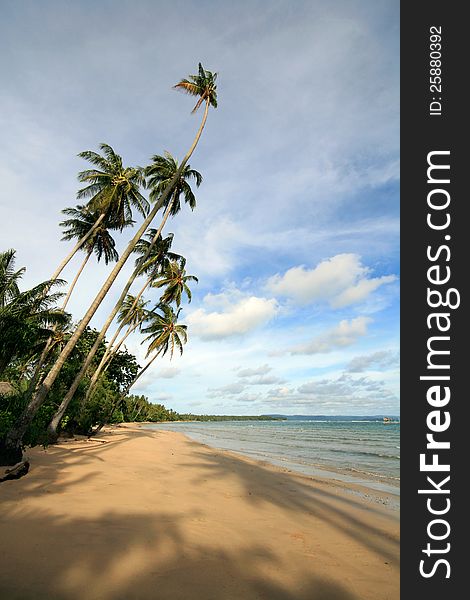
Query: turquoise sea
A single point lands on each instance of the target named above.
(354, 449)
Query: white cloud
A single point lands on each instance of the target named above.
(344, 334)
(379, 360)
(263, 370)
(236, 318)
(232, 389)
(265, 380)
(340, 281)
(169, 372)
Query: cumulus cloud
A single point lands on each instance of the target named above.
(341, 387)
(344, 334)
(169, 372)
(341, 280)
(232, 389)
(263, 370)
(341, 395)
(377, 360)
(234, 318)
(265, 380)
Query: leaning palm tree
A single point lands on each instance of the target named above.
(175, 279)
(202, 85)
(112, 191)
(164, 335)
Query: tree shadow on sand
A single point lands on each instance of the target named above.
(50, 474)
(132, 557)
(261, 484)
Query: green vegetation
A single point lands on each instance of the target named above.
(63, 376)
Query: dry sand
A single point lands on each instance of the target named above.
(154, 515)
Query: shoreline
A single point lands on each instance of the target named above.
(374, 483)
(142, 514)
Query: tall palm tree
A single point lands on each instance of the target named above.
(175, 279)
(204, 85)
(160, 173)
(112, 192)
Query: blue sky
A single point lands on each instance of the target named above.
(296, 231)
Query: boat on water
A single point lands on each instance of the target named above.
(389, 420)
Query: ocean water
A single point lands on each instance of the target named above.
(351, 449)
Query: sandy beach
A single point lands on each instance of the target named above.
(155, 515)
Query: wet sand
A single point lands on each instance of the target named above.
(156, 516)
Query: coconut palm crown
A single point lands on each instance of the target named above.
(157, 256)
(175, 280)
(101, 241)
(202, 85)
(161, 172)
(164, 333)
(130, 314)
(112, 188)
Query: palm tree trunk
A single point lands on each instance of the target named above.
(109, 349)
(126, 391)
(139, 375)
(74, 282)
(47, 348)
(15, 435)
(77, 247)
(107, 359)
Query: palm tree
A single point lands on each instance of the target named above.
(203, 85)
(82, 221)
(112, 188)
(26, 317)
(175, 279)
(87, 225)
(160, 174)
(164, 335)
(157, 255)
(9, 277)
(112, 191)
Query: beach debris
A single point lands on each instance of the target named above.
(17, 471)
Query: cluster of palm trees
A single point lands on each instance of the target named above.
(110, 195)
